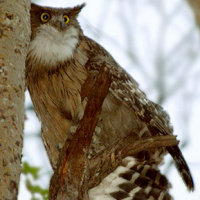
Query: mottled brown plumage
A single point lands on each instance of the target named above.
(59, 61)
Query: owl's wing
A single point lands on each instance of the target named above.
(156, 119)
(125, 88)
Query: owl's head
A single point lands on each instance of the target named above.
(55, 31)
(60, 19)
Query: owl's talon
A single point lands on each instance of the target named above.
(72, 130)
(59, 146)
(97, 130)
(80, 115)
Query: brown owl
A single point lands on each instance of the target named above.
(59, 60)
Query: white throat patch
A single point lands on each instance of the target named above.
(50, 46)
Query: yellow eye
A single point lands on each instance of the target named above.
(66, 19)
(45, 17)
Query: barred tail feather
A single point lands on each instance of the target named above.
(133, 181)
(181, 166)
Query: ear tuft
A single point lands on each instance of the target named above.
(35, 6)
(77, 9)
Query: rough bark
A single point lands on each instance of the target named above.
(76, 172)
(14, 38)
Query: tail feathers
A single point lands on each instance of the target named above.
(181, 166)
(133, 181)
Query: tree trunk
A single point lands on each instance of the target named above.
(14, 38)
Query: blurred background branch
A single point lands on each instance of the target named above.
(195, 5)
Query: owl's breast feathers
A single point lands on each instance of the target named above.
(55, 93)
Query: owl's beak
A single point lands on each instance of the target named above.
(58, 24)
(62, 23)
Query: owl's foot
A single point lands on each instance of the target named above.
(73, 129)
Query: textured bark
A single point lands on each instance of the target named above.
(195, 5)
(14, 38)
(76, 172)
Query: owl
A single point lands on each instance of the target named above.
(59, 61)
